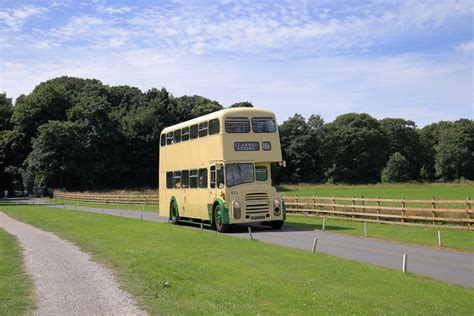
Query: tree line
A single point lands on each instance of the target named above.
(81, 134)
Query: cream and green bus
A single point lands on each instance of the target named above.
(215, 169)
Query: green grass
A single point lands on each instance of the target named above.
(450, 191)
(174, 270)
(427, 236)
(131, 207)
(15, 286)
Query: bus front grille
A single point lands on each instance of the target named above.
(256, 203)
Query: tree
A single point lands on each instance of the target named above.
(355, 149)
(244, 104)
(402, 137)
(6, 110)
(300, 150)
(397, 169)
(455, 151)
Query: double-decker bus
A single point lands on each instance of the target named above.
(216, 169)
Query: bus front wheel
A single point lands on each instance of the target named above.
(174, 213)
(218, 219)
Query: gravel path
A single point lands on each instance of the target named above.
(67, 281)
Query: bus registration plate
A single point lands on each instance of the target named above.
(257, 217)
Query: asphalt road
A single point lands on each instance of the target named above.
(449, 266)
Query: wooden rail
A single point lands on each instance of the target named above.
(453, 213)
(109, 198)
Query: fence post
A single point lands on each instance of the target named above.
(378, 210)
(296, 203)
(314, 206)
(353, 208)
(439, 238)
(250, 233)
(362, 202)
(365, 229)
(315, 243)
(404, 266)
(468, 210)
(324, 223)
(433, 206)
(333, 205)
(403, 209)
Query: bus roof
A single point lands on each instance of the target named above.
(220, 114)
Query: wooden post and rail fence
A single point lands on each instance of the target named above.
(448, 213)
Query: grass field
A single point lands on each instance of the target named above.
(15, 286)
(174, 270)
(131, 207)
(448, 191)
(427, 236)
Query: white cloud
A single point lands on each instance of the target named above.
(466, 47)
(15, 18)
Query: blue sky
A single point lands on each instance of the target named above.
(411, 59)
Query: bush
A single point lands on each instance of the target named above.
(397, 169)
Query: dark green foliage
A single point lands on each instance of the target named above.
(455, 151)
(245, 104)
(6, 110)
(301, 141)
(355, 149)
(403, 138)
(397, 169)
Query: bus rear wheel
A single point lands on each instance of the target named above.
(218, 219)
(276, 224)
(174, 213)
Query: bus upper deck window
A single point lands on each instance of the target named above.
(203, 129)
(263, 125)
(169, 138)
(214, 127)
(237, 125)
(185, 134)
(193, 131)
(163, 139)
(177, 136)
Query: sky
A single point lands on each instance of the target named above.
(410, 59)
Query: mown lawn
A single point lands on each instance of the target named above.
(450, 191)
(175, 270)
(15, 285)
(131, 207)
(427, 236)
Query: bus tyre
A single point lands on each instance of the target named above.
(276, 224)
(174, 213)
(220, 227)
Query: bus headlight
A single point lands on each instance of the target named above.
(276, 207)
(237, 209)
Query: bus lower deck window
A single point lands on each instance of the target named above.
(203, 178)
(193, 178)
(169, 180)
(177, 179)
(261, 173)
(185, 179)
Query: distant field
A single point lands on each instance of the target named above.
(174, 270)
(15, 285)
(395, 191)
